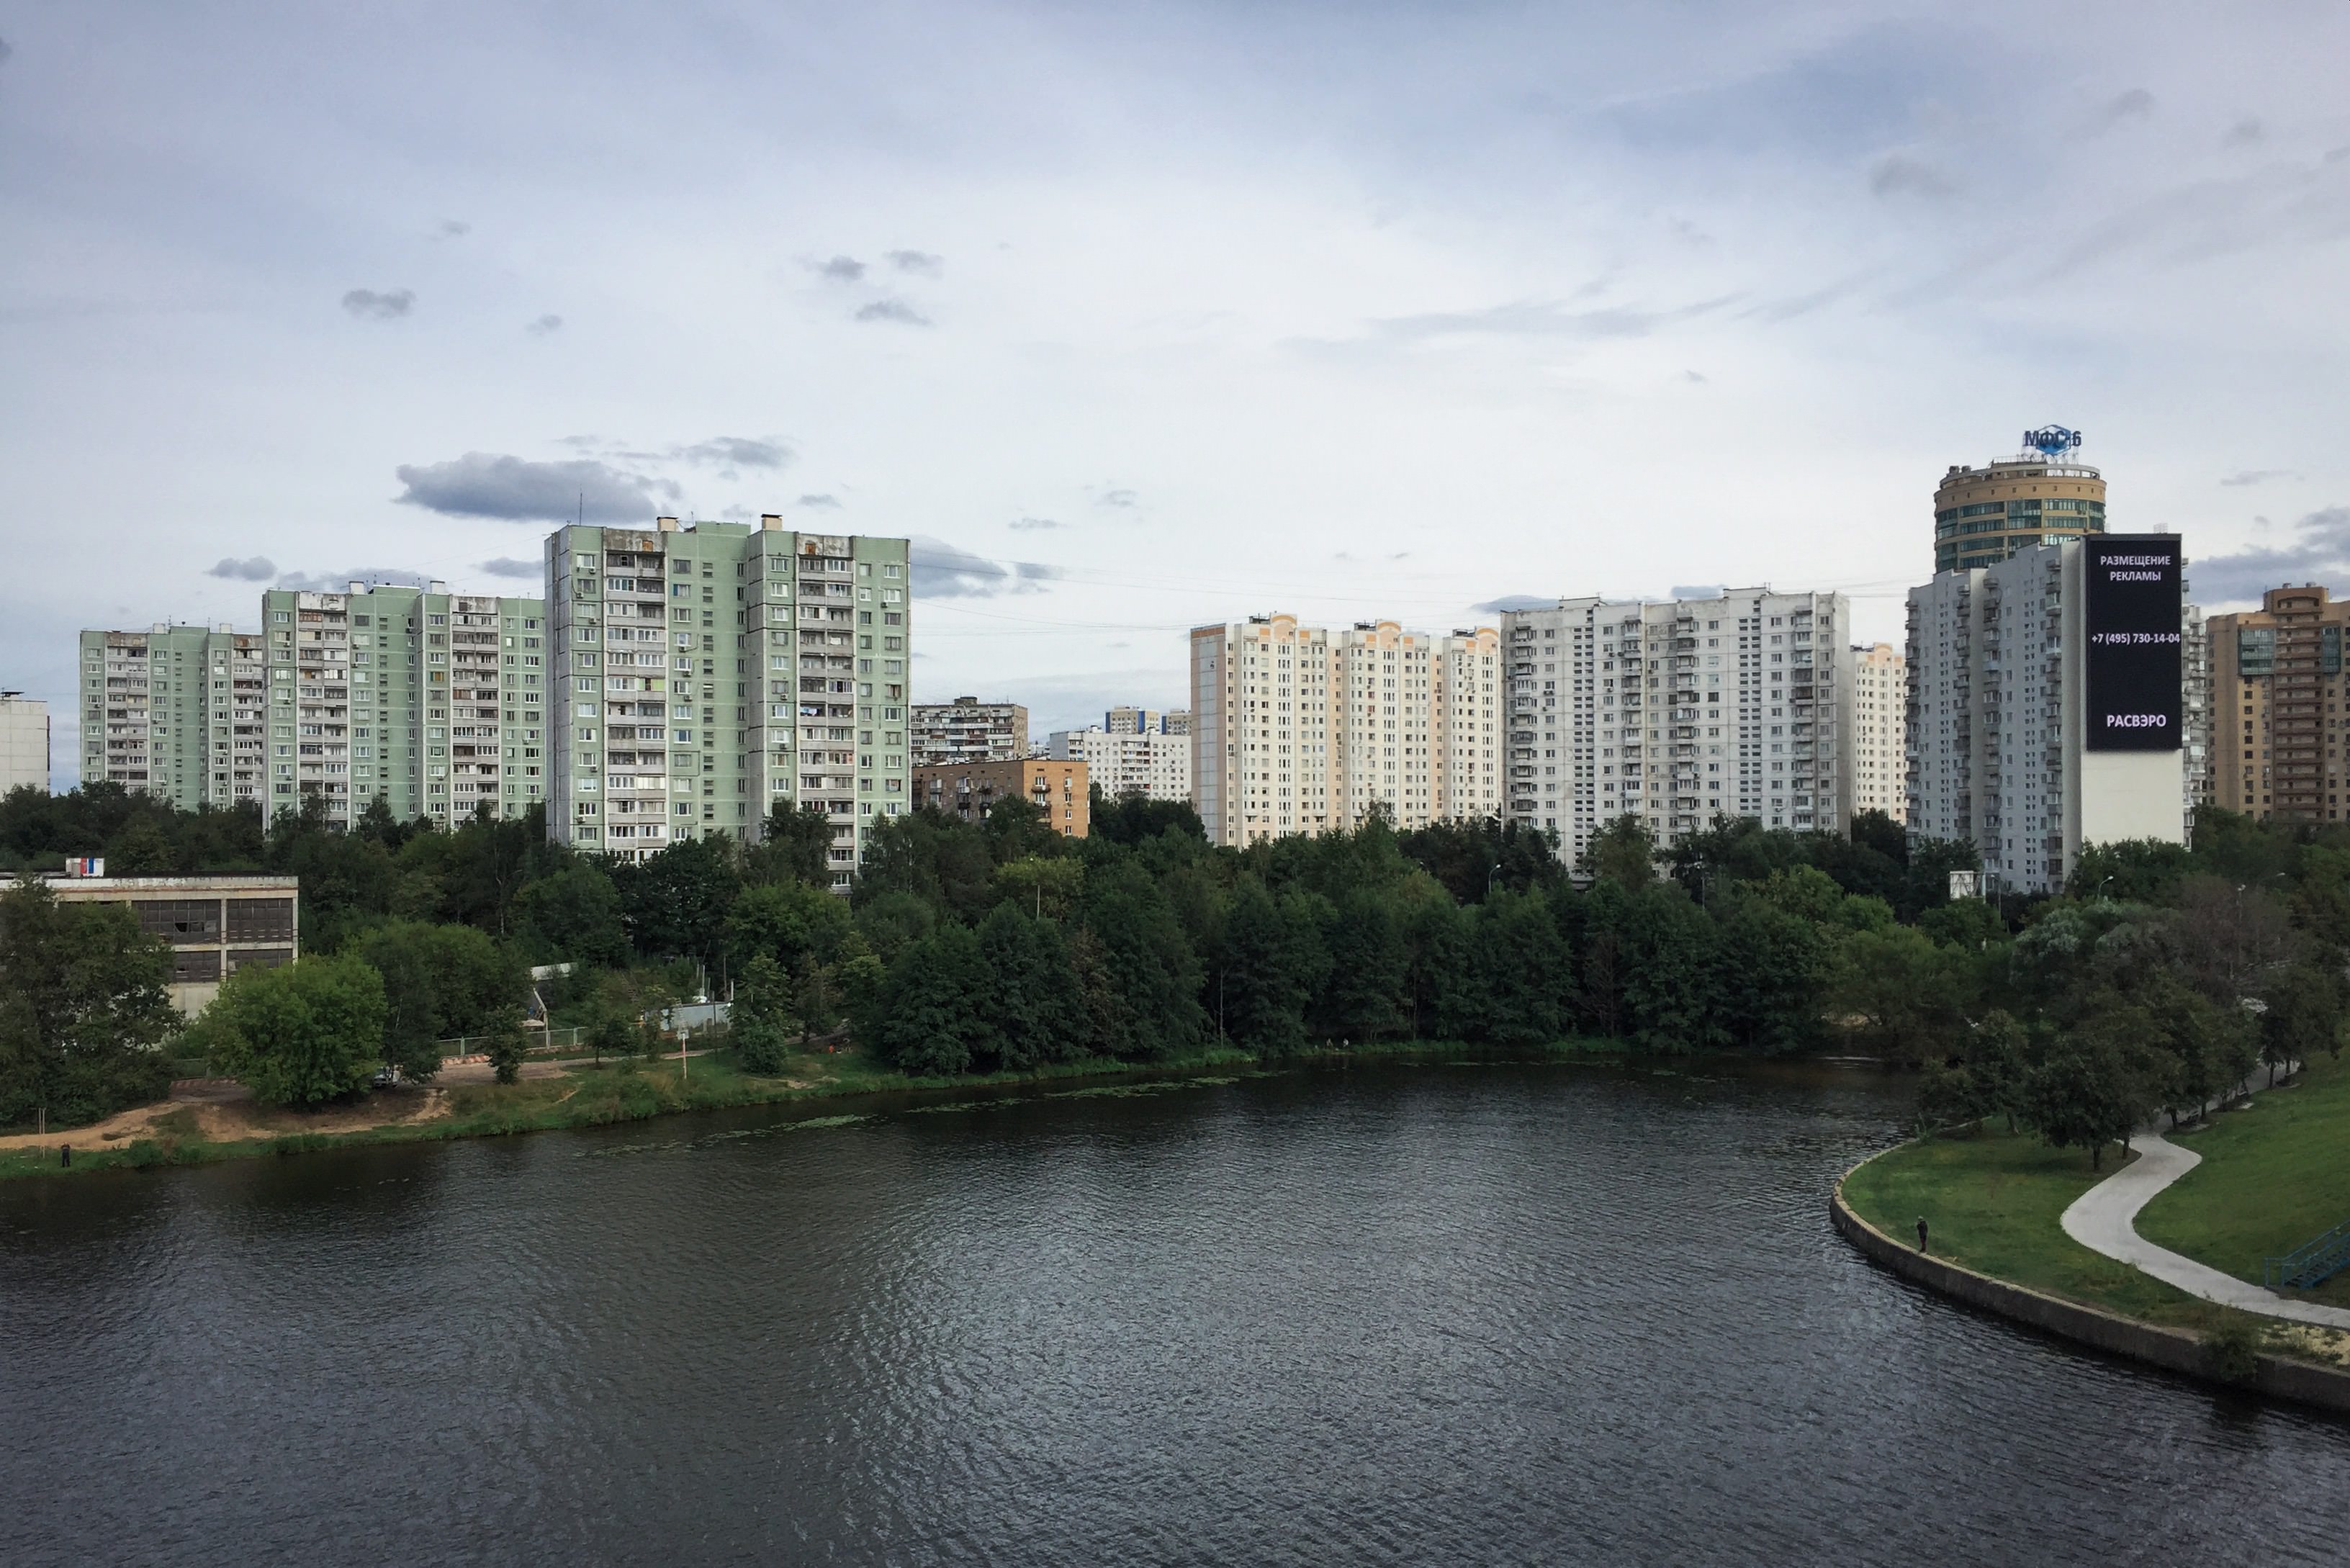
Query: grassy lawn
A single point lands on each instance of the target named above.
(2272, 1178)
(1993, 1204)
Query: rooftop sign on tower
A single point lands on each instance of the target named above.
(2053, 441)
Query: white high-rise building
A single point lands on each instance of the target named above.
(2024, 739)
(24, 743)
(1143, 758)
(1677, 713)
(1880, 733)
(1299, 729)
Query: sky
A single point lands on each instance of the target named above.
(1139, 317)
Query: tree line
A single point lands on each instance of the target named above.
(999, 945)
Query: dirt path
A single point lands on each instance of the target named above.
(227, 1114)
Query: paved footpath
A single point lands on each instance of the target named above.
(2102, 1219)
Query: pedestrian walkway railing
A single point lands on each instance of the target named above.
(2312, 1264)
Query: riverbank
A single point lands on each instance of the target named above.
(584, 1093)
(1993, 1202)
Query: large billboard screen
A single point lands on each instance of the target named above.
(2132, 660)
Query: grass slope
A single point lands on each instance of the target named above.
(2272, 1177)
(1993, 1203)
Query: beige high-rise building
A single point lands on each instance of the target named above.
(1299, 729)
(1983, 516)
(2277, 698)
(1880, 730)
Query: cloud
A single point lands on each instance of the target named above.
(337, 582)
(5, 51)
(369, 304)
(1508, 602)
(922, 262)
(1036, 522)
(1122, 498)
(893, 310)
(452, 229)
(739, 451)
(832, 502)
(2322, 550)
(2246, 132)
(1539, 318)
(2134, 104)
(1695, 379)
(2257, 476)
(944, 572)
(841, 269)
(253, 569)
(1701, 591)
(509, 566)
(545, 324)
(1898, 174)
(516, 490)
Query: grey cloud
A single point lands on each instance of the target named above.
(5, 51)
(2257, 476)
(489, 484)
(545, 324)
(1695, 378)
(741, 451)
(510, 566)
(2134, 104)
(842, 269)
(336, 582)
(1540, 318)
(2246, 132)
(922, 262)
(1700, 591)
(893, 310)
(1116, 498)
(1035, 522)
(1508, 602)
(369, 304)
(820, 500)
(452, 229)
(942, 571)
(2322, 550)
(253, 569)
(1898, 174)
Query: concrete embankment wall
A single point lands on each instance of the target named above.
(2174, 1349)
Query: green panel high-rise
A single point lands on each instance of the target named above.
(705, 674)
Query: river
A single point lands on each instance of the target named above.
(1474, 1315)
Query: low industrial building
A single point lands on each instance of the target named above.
(215, 925)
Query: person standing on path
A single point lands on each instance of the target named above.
(1921, 1233)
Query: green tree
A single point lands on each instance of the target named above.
(2301, 1014)
(927, 1004)
(303, 1033)
(1365, 996)
(2081, 1097)
(509, 1043)
(795, 845)
(442, 982)
(139, 849)
(84, 1009)
(1903, 990)
(761, 1018)
(573, 915)
(675, 903)
(1621, 850)
(788, 921)
(1266, 976)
